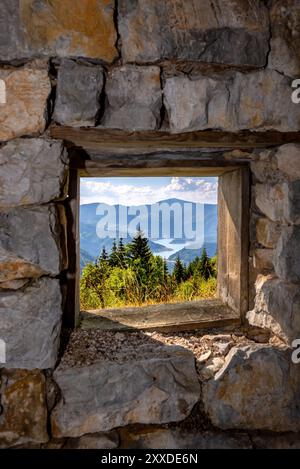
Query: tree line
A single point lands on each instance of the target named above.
(132, 275)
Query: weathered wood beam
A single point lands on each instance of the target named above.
(99, 140)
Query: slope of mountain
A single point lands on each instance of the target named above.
(91, 244)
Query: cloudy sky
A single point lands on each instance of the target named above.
(147, 190)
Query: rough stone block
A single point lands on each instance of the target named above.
(33, 172)
(277, 308)
(34, 237)
(12, 40)
(291, 206)
(257, 388)
(83, 28)
(134, 98)
(182, 439)
(284, 44)
(288, 160)
(30, 324)
(94, 441)
(196, 104)
(231, 102)
(263, 259)
(287, 254)
(78, 94)
(236, 33)
(158, 389)
(26, 93)
(270, 200)
(267, 232)
(269, 441)
(24, 413)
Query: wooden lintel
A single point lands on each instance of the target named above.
(99, 139)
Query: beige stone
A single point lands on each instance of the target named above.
(27, 90)
(267, 232)
(24, 417)
(288, 160)
(15, 268)
(285, 38)
(270, 200)
(263, 260)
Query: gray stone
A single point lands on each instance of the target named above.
(30, 324)
(134, 98)
(208, 31)
(285, 441)
(181, 439)
(291, 205)
(284, 44)
(277, 308)
(78, 94)
(95, 441)
(267, 232)
(107, 394)
(197, 104)
(211, 367)
(263, 102)
(12, 38)
(287, 254)
(264, 167)
(33, 171)
(257, 388)
(288, 160)
(234, 101)
(34, 236)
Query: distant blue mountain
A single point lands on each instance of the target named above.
(91, 244)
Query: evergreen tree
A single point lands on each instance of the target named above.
(114, 255)
(179, 271)
(122, 254)
(205, 266)
(139, 250)
(103, 256)
(165, 269)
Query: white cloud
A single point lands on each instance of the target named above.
(190, 189)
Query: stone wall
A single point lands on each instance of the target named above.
(145, 65)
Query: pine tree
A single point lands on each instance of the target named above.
(139, 250)
(114, 255)
(205, 266)
(179, 271)
(122, 254)
(103, 256)
(165, 269)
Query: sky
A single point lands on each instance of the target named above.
(147, 190)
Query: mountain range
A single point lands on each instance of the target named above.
(187, 249)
